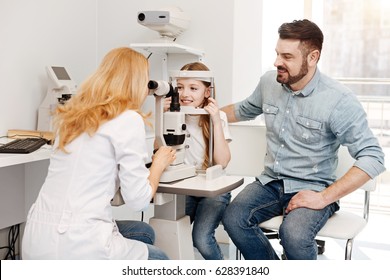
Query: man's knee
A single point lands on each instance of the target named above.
(235, 217)
(226, 218)
(290, 237)
(297, 243)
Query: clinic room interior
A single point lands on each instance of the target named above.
(236, 40)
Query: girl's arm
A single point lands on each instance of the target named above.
(221, 154)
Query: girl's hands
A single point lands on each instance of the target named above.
(213, 110)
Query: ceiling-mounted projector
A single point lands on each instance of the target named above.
(169, 22)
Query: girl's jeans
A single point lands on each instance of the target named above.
(206, 214)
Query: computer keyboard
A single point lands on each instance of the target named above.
(23, 146)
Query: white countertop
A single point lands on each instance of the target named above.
(14, 159)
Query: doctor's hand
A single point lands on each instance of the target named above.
(163, 157)
(308, 199)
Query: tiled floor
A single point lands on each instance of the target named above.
(373, 243)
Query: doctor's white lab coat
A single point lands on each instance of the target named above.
(72, 216)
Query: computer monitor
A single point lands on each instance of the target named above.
(60, 77)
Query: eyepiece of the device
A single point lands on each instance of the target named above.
(141, 16)
(152, 84)
(175, 103)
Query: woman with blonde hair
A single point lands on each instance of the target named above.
(100, 143)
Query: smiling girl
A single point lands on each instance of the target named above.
(205, 212)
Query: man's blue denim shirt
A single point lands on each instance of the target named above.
(306, 128)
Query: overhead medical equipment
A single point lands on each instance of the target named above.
(168, 22)
(60, 89)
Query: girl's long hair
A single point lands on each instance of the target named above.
(204, 120)
(119, 84)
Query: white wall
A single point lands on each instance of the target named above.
(34, 34)
(77, 34)
(247, 51)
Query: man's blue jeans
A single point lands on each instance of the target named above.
(258, 203)
(206, 214)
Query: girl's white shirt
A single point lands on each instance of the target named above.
(72, 216)
(195, 145)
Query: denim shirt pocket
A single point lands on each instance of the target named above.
(307, 130)
(270, 112)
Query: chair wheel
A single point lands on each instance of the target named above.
(320, 246)
(321, 250)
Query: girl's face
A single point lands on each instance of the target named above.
(192, 92)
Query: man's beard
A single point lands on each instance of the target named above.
(293, 79)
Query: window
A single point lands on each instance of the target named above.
(275, 13)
